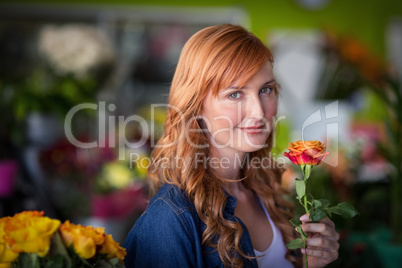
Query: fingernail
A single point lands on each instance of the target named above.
(304, 218)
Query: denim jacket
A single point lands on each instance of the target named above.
(169, 234)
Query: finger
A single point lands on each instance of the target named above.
(305, 218)
(322, 243)
(328, 222)
(322, 229)
(322, 254)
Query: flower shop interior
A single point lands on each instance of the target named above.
(84, 87)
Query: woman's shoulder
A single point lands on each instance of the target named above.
(168, 230)
(170, 210)
(172, 196)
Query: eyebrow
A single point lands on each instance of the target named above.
(234, 87)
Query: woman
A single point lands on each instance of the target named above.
(219, 200)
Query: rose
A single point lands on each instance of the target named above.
(30, 232)
(6, 254)
(29, 239)
(84, 239)
(112, 249)
(306, 152)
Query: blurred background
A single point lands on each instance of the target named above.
(83, 86)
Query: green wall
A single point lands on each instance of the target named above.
(366, 19)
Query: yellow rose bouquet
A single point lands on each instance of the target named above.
(308, 154)
(29, 239)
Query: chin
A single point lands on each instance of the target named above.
(252, 149)
(255, 143)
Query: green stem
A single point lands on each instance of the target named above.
(305, 204)
(306, 209)
(305, 259)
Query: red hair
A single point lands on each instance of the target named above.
(212, 59)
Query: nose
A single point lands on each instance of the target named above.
(256, 110)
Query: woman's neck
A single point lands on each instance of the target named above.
(227, 165)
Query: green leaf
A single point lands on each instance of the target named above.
(345, 210)
(296, 243)
(85, 263)
(329, 213)
(55, 262)
(119, 265)
(325, 203)
(104, 264)
(319, 209)
(317, 213)
(294, 222)
(301, 232)
(316, 203)
(114, 261)
(300, 188)
(77, 261)
(28, 260)
(58, 250)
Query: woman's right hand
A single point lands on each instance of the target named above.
(322, 242)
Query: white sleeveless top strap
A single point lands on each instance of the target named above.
(274, 255)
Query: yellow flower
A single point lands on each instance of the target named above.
(117, 175)
(142, 165)
(6, 254)
(83, 238)
(112, 248)
(30, 232)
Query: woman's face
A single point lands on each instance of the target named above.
(241, 119)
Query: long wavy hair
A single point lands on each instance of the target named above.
(213, 59)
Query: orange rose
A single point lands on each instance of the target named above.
(30, 232)
(6, 254)
(306, 152)
(112, 248)
(84, 239)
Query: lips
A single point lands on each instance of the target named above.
(253, 129)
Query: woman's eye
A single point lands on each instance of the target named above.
(265, 90)
(235, 95)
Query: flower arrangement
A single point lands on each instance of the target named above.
(29, 239)
(308, 154)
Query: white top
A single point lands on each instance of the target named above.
(274, 255)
